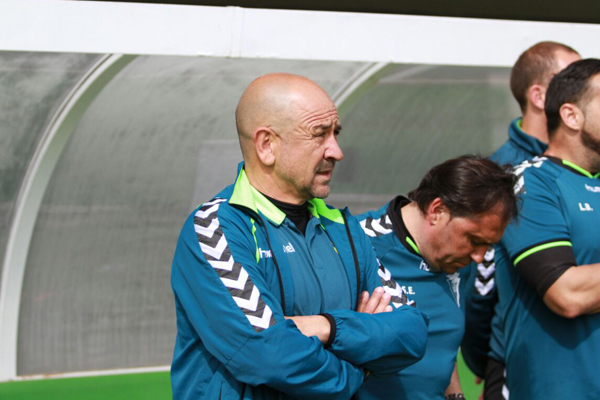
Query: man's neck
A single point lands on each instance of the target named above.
(298, 214)
(534, 124)
(580, 157)
(571, 149)
(413, 220)
(265, 183)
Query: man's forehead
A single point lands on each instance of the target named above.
(319, 117)
(486, 226)
(592, 92)
(480, 221)
(595, 85)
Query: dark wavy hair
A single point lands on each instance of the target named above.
(468, 186)
(571, 85)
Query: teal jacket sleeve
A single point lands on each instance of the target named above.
(480, 300)
(383, 343)
(226, 300)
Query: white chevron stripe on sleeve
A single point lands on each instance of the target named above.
(238, 283)
(262, 322)
(226, 265)
(488, 271)
(209, 231)
(397, 291)
(519, 184)
(203, 214)
(484, 289)
(377, 227)
(489, 255)
(217, 251)
(214, 201)
(207, 235)
(368, 231)
(250, 304)
(384, 274)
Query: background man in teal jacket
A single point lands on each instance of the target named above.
(426, 240)
(483, 345)
(279, 296)
(548, 282)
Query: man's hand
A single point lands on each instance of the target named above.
(377, 303)
(313, 325)
(319, 326)
(454, 386)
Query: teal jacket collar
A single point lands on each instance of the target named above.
(332, 220)
(244, 194)
(524, 141)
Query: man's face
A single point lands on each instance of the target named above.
(455, 242)
(590, 135)
(309, 149)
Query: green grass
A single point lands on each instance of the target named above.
(467, 381)
(149, 386)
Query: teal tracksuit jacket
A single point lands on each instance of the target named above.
(233, 279)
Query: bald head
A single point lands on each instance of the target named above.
(288, 129)
(273, 101)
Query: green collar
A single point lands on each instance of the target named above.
(580, 170)
(319, 209)
(244, 194)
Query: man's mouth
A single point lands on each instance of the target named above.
(326, 173)
(326, 169)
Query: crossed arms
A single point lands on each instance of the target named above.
(259, 346)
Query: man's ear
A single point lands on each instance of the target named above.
(536, 94)
(572, 116)
(435, 211)
(265, 144)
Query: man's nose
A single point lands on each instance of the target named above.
(478, 253)
(333, 149)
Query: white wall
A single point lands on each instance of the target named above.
(97, 27)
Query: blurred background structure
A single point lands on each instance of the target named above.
(116, 120)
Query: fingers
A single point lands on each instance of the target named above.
(378, 302)
(384, 304)
(362, 301)
(373, 301)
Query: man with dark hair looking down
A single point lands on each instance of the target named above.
(279, 296)
(460, 208)
(548, 283)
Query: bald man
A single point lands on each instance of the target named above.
(278, 295)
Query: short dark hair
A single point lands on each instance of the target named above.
(534, 65)
(571, 85)
(468, 186)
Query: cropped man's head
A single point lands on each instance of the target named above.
(534, 69)
(466, 203)
(288, 128)
(572, 99)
